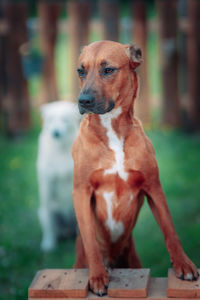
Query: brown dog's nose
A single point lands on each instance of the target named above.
(86, 100)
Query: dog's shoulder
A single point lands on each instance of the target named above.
(144, 150)
(139, 131)
(139, 148)
(81, 142)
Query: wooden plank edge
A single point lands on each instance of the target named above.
(109, 298)
(66, 298)
(139, 293)
(73, 294)
(191, 294)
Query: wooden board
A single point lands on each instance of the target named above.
(129, 283)
(70, 284)
(60, 283)
(181, 288)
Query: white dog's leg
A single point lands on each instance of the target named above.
(48, 242)
(45, 216)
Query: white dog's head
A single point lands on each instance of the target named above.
(60, 119)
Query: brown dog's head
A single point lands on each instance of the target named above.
(106, 72)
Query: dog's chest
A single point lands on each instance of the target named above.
(115, 144)
(112, 207)
(115, 227)
(115, 212)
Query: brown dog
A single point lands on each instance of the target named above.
(114, 167)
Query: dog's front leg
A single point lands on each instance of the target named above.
(45, 213)
(85, 216)
(182, 265)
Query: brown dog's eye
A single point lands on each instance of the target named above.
(108, 71)
(81, 73)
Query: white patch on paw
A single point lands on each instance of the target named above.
(189, 276)
(115, 143)
(116, 228)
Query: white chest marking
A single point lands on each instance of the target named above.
(116, 228)
(115, 143)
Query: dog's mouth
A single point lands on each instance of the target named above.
(96, 107)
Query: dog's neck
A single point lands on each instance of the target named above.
(116, 121)
(119, 119)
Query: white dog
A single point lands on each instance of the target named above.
(55, 172)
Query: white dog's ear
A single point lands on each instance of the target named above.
(135, 55)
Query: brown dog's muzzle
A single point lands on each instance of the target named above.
(88, 103)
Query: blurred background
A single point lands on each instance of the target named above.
(39, 45)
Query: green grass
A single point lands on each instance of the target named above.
(20, 234)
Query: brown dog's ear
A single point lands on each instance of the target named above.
(135, 55)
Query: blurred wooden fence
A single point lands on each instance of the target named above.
(178, 28)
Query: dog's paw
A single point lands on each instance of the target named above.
(184, 268)
(99, 284)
